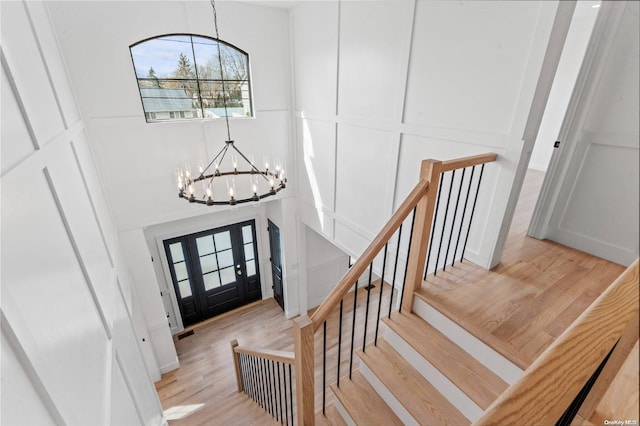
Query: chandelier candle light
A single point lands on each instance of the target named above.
(210, 180)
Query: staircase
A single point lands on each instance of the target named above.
(424, 365)
(426, 370)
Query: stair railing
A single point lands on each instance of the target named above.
(572, 375)
(266, 376)
(423, 204)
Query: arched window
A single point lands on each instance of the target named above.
(179, 78)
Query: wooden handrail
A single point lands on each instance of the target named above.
(358, 268)
(551, 383)
(286, 357)
(473, 160)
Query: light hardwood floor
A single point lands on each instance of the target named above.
(526, 302)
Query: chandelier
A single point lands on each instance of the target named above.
(215, 184)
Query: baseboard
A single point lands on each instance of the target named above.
(169, 367)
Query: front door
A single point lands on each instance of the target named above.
(214, 271)
(276, 263)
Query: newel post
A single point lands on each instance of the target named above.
(305, 388)
(429, 170)
(236, 364)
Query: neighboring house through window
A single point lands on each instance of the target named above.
(179, 78)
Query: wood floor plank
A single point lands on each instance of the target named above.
(425, 404)
(358, 398)
(468, 374)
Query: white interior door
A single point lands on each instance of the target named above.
(590, 199)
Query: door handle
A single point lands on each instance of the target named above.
(238, 270)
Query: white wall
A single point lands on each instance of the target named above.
(70, 354)
(578, 36)
(326, 264)
(382, 85)
(136, 159)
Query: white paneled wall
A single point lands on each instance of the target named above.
(69, 350)
(403, 81)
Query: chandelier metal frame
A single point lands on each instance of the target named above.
(187, 183)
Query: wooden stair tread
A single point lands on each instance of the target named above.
(331, 417)
(425, 404)
(467, 373)
(358, 398)
(510, 353)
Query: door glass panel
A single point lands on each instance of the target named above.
(247, 235)
(225, 259)
(251, 268)
(176, 252)
(208, 263)
(228, 275)
(211, 281)
(185, 289)
(181, 271)
(248, 251)
(205, 245)
(223, 240)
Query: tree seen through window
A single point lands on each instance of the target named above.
(179, 77)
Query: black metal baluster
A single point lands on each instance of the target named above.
(366, 311)
(250, 376)
(339, 343)
(444, 222)
(291, 393)
(242, 373)
(453, 221)
(269, 388)
(324, 365)
(264, 383)
(464, 212)
(433, 226)
(404, 280)
(279, 390)
(384, 265)
(353, 327)
(255, 376)
(284, 388)
(473, 209)
(395, 269)
(259, 382)
(276, 391)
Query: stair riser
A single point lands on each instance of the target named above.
(447, 388)
(500, 366)
(388, 397)
(343, 413)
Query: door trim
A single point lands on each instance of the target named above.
(609, 15)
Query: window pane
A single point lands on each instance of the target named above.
(223, 240)
(225, 259)
(251, 268)
(205, 245)
(211, 281)
(176, 252)
(185, 289)
(228, 275)
(248, 251)
(168, 56)
(181, 271)
(247, 235)
(208, 263)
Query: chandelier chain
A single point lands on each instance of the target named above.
(224, 90)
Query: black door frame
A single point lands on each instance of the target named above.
(276, 270)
